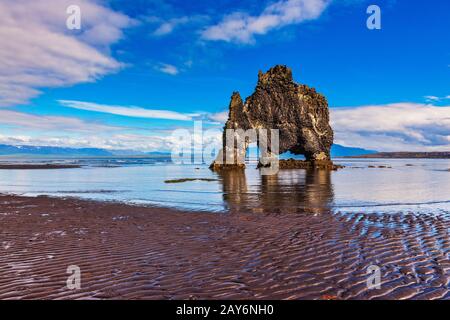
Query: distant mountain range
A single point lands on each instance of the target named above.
(406, 155)
(10, 150)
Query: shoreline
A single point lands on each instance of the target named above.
(134, 252)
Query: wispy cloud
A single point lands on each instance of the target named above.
(167, 68)
(169, 26)
(19, 128)
(436, 98)
(25, 121)
(393, 127)
(117, 141)
(132, 111)
(112, 142)
(432, 98)
(390, 127)
(38, 51)
(220, 117)
(240, 27)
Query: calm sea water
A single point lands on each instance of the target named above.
(408, 186)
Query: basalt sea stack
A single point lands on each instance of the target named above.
(298, 111)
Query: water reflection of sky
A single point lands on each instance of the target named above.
(422, 187)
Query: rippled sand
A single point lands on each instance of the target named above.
(150, 253)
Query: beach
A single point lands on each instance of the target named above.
(133, 252)
(238, 151)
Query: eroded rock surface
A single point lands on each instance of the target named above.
(298, 111)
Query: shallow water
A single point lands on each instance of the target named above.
(423, 187)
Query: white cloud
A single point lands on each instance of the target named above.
(38, 51)
(26, 129)
(432, 98)
(436, 98)
(393, 127)
(112, 142)
(131, 111)
(119, 141)
(14, 119)
(220, 117)
(169, 26)
(240, 27)
(167, 68)
(61, 131)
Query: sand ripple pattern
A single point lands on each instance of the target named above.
(150, 253)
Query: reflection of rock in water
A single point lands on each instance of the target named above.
(297, 191)
(288, 191)
(235, 190)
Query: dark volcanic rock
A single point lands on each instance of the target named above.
(299, 112)
(301, 164)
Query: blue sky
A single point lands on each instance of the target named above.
(139, 69)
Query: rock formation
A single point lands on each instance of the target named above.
(299, 112)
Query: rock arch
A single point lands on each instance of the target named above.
(298, 111)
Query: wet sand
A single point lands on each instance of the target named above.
(128, 252)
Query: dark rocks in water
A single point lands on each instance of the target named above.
(299, 113)
(216, 166)
(189, 180)
(379, 167)
(302, 164)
